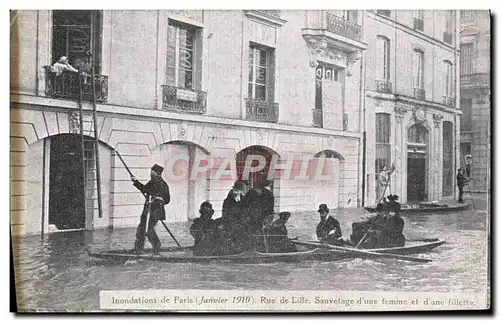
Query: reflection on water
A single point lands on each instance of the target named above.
(57, 274)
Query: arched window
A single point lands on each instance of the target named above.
(418, 134)
(383, 58)
(383, 141)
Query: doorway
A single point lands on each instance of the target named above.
(66, 189)
(416, 189)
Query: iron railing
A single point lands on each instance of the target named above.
(419, 94)
(477, 79)
(184, 100)
(447, 37)
(65, 85)
(317, 117)
(262, 111)
(449, 101)
(343, 27)
(384, 86)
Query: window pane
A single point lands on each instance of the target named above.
(185, 79)
(260, 76)
(171, 56)
(262, 58)
(250, 91)
(185, 59)
(186, 38)
(260, 92)
(251, 56)
(383, 128)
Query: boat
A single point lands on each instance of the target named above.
(308, 251)
(425, 207)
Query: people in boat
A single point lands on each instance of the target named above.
(235, 217)
(277, 233)
(260, 204)
(157, 195)
(205, 232)
(328, 230)
(385, 229)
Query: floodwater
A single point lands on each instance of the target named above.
(56, 273)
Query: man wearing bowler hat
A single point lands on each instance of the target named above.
(157, 195)
(328, 230)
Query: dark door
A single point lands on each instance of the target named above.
(416, 180)
(66, 196)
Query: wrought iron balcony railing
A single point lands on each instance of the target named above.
(386, 13)
(66, 85)
(418, 24)
(317, 117)
(343, 27)
(449, 101)
(447, 37)
(419, 94)
(262, 111)
(475, 80)
(384, 87)
(184, 100)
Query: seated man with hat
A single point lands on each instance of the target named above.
(204, 231)
(328, 230)
(278, 241)
(157, 195)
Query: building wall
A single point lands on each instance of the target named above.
(477, 31)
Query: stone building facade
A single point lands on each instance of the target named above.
(412, 95)
(180, 85)
(475, 66)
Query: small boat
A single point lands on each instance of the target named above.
(308, 251)
(425, 208)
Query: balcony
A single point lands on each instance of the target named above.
(384, 87)
(262, 111)
(418, 24)
(419, 94)
(317, 117)
(184, 100)
(66, 85)
(386, 13)
(480, 80)
(449, 101)
(343, 27)
(447, 38)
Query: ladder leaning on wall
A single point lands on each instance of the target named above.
(90, 150)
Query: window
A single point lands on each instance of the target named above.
(350, 15)
(417, 133)
(466, 117)
(383, 139)
(383, 58)
(466, 58)
(324, 73)
(448, 29)
(418, 69)
(76, 34)
(261, 73)
(181, 49)
(386, 13)
(448, 81)
(418, 20)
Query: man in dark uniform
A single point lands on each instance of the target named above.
(394, 236)
(234, 217)
(204, 231)
(260, 203)
(157, 195)
(278, 235)
(461, 181)
(328, 230)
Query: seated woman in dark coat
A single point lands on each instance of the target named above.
(204, 231)
(235, 217)
(278, 235)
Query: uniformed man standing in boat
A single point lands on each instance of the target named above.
(260, 203)
(157, 195)
(328, 230)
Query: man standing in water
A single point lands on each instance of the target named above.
(157, 195)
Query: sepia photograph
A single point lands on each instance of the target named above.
(250, 160)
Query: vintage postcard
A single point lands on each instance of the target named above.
(250, 160)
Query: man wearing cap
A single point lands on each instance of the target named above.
(157, 195)
(328, 230)
(278, 235)
(204, 231)
(260, 202)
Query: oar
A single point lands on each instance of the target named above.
(363, 253)
(423, 240)
(364, 237)
(149, 212)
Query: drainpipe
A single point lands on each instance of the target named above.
(362, 75)
(457, 96)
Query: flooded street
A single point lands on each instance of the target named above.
(57, 274)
